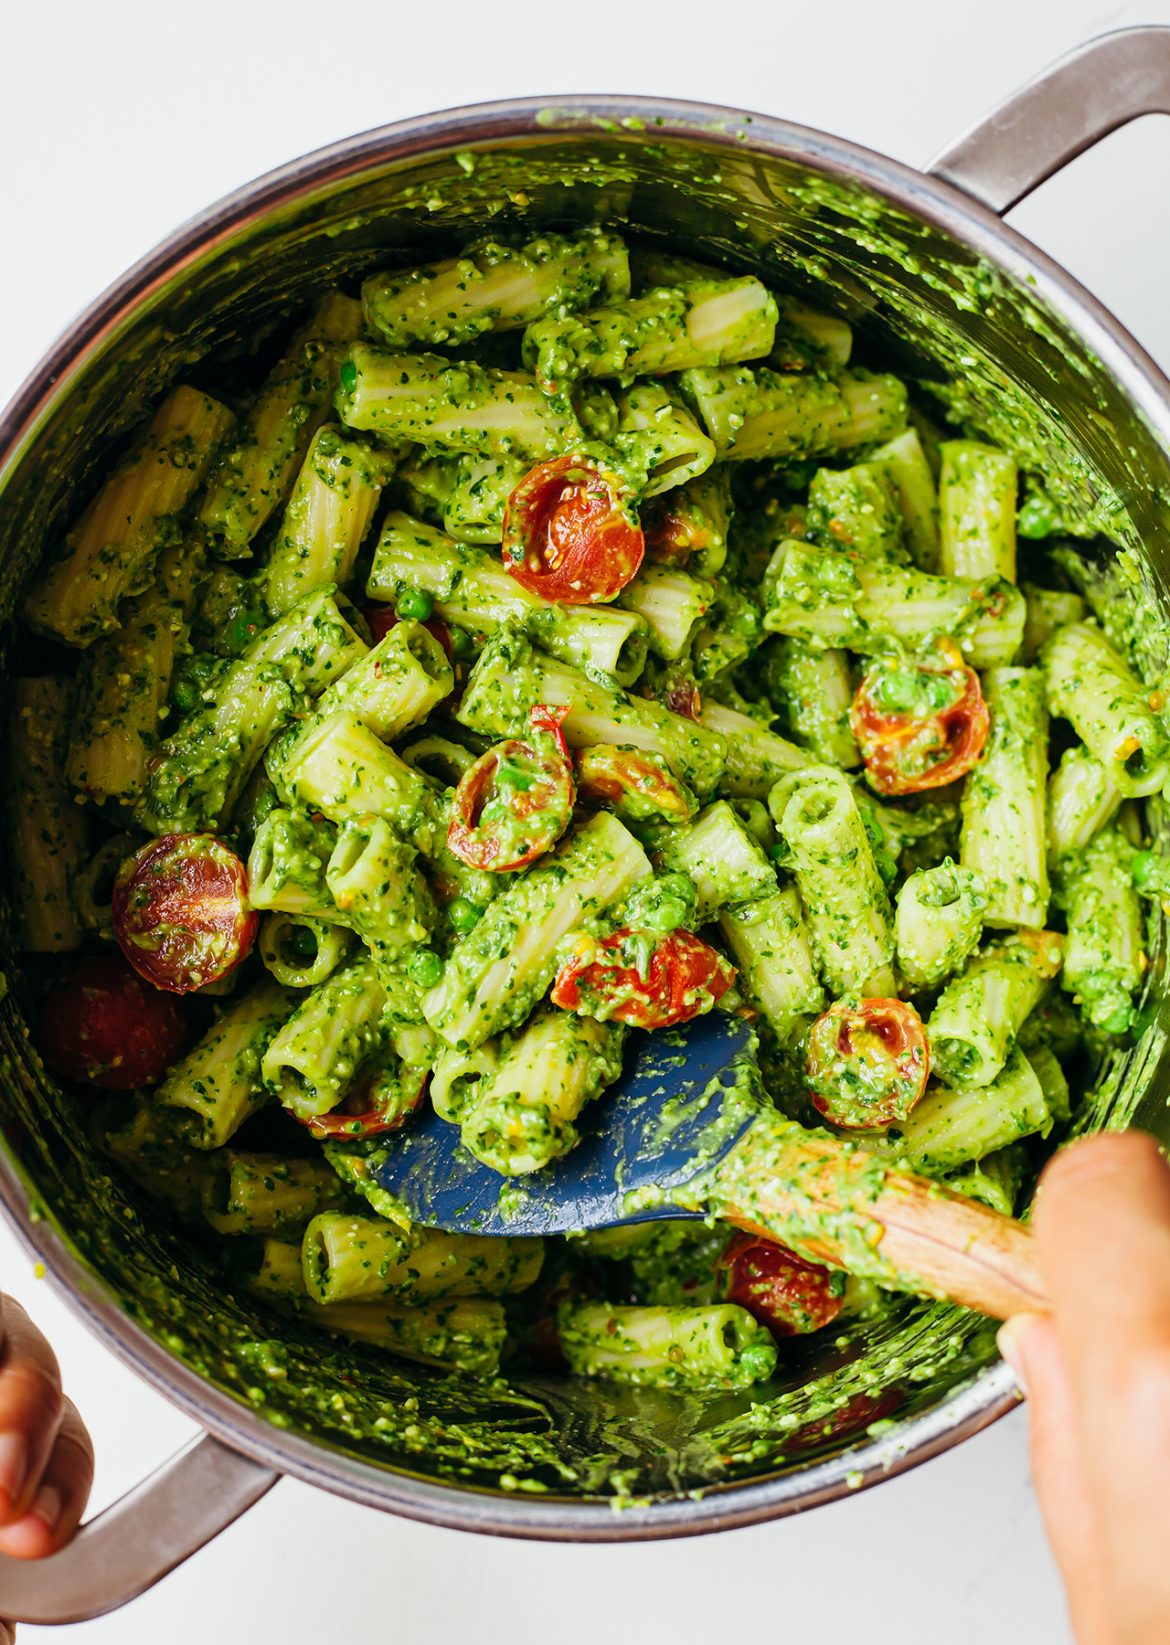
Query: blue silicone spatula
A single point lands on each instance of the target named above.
(687, 1132)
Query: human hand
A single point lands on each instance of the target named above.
(1097, 1375)
(46, 1458)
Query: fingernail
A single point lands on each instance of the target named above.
(13, 1465)
(1009, 1339)
(47, 1506)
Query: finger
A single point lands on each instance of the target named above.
(61, 1496)
(1103, 1224)
(31, 1407)
(1031, 1346)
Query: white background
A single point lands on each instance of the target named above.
(119, 119)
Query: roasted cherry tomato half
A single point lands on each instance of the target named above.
(102, 1024)
(634, 783)
(919, 722)
(379, 1104)
(515, 802)
(675, 687)
(868, 1062)
(181, 914)
(784, 1292)
(571, 532)
(381, 618)
(644, 978)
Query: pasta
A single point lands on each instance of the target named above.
(603, 646)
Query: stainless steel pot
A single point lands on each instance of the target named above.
(922, 262)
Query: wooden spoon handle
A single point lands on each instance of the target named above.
(836, 1204)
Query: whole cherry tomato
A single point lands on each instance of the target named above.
(516, 801)
(103, 1025)
(643, 978)
(180, 909)
(919, 722)
(784, 1292)
(571, 532)
(868, 1062)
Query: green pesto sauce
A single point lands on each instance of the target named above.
(538, 1434)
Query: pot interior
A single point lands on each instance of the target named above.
(926, 307)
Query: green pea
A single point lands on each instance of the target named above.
(241, 631)
(464, 915)
(425, 967)
(460, 641)
(667, 914)
(347, 376)
(414, 602)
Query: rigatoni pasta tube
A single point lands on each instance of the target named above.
(522, 1115)
(725, 861)
(452, 405)
(253, 1193)
(221, 743)
(671, 603)
(855, 509)
(218, 1083)
(1082, 798)
(1115, 715)
(491, 286)
(112, 549)
(756, 757)
(977, 487)
(979, 1013)
(48, 831)
(909, 472)
(377, 886)
(659, 438)
(253, 474)
(286, 865)
(463, 1333)
(841, 892)
(301, 951)
(340, 769)
(815, 695)
(124, 696)
(1048, 610)
(349, 1258)
(327, 517)
(1004, 834)
(756, 412)
(471, 589)
(510, 675)
(390, 689)
(717, 1346)
(1104, 952)
(703, 322)
(769, 943)
(823, 598)
(937, 922)
(949, 1128)
(313, 1061)
(499, 970)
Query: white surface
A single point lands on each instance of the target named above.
(119, 119)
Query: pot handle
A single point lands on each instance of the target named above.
(136, 1541)
(1062, 112)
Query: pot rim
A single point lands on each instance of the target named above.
(975, 1404)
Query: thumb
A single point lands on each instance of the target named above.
(1031, 1346)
